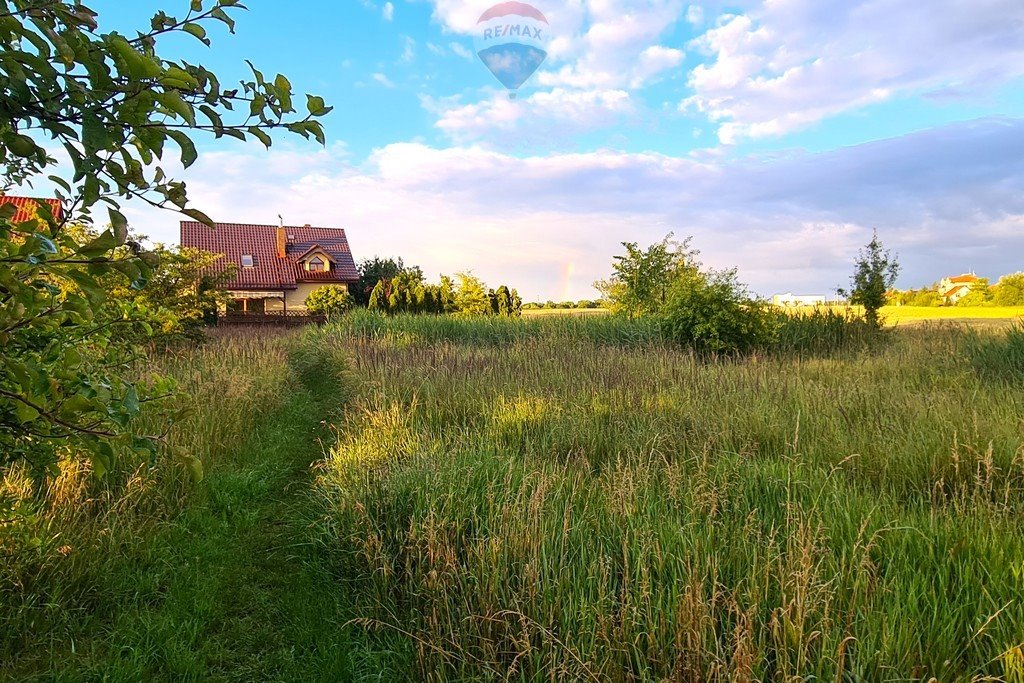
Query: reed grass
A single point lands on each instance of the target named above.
(521, 500)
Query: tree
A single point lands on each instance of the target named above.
(112, 103)
(875, 272)
(471, 296)
(183, 292)
(925, 297)
(517, 304)
(641, 279)
(980, 294)
(329, 301)
(372, 271)
(379, 298)
(1009, 291)
(503, 302)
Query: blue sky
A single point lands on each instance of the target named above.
(778, 133)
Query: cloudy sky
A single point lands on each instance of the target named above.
(778, 133)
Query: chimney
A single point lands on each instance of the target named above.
(282, 243)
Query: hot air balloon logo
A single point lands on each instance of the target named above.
(511, 41)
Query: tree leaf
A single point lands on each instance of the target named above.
(188, 148)
(119, 225)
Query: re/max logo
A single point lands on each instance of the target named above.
(512, 30)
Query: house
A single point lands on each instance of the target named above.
(276, 266)
(952, 289)
(27, 208)
(792, 300)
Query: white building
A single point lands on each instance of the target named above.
(790, 300)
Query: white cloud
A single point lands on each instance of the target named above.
(382, 79)
(460, 50)
(946, 199)
(388, 11)
(787, 64)
(695, 15)
(408, 51)
(552, 115)
(601, 52)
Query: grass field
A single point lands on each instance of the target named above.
(558, 498)
(561, 508)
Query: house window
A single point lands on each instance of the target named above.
(247, 261)
(316, 265)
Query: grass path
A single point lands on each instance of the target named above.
(233, 590)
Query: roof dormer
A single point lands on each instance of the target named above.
(316, 260)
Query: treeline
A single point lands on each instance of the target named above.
(583, 304)
(1008, 291)
(389, 286)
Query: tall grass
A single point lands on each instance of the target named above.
(998, 357)
(823, 331)
(494, 330)
(547, 507)
(55, 555)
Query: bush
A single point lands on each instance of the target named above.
(329, 301)
(713, 313)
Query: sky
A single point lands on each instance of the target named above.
(777, 133)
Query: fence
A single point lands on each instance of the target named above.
(278, 318)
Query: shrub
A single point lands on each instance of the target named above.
(329, 301)
(713, 313)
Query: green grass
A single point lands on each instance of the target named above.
(224, 582)
(538, 507)
(561, 498)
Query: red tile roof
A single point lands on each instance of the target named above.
(964, 278)
(27, 207)
(954, 290)
(269, 271)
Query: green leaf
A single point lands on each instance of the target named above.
(131, 401)
(171, 100)
(198, 215)
(188, 148)
(119, 224)
(317, 106)
(100, 246)
(198, 31)
(22, 146)
(179, 78)
(284, 92)
(261, 136)
(24, 412)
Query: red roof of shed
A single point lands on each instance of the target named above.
(270, 271)
(27, 207)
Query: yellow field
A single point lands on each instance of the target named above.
(908, 314)
(539, 312)
(981, 316)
